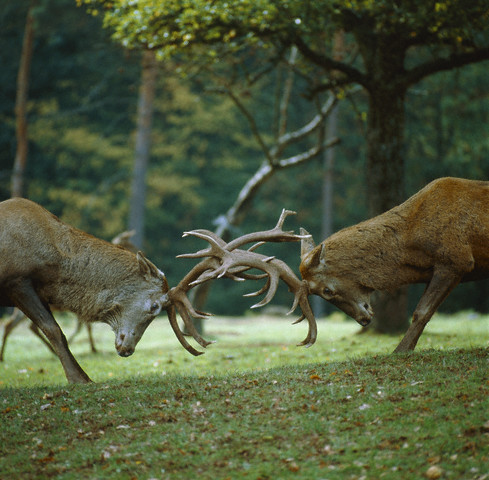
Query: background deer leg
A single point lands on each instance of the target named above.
(90, 337)
(77, 330)
(16, 317)
(438, 289)
(27, 300)
(36, 331)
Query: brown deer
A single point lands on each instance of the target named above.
(439, 236)
(46, 262)
(17, 317)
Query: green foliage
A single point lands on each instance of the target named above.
(174, 26)
(252, 406)
(82, 104)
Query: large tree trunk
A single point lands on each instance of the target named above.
(327, 195)
(385, 183)
(20, 162)
(143, 146)
(329, 156)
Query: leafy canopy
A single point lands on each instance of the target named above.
(177, 25)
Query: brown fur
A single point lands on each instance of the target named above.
(47, 262)
(439, 236)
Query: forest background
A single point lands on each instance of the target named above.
(82, 109)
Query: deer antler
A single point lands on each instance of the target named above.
(223, 259)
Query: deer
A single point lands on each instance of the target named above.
(47, 263)
(438, 237)
(17, 317)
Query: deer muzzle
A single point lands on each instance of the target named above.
(365, 314)
(123, 345)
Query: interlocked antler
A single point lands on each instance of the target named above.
(223, 259)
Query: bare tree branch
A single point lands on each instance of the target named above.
(448, 63)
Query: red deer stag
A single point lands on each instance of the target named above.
(17, 317)
(46, 262)
(439, 236)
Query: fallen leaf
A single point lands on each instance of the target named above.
(434, 472)
(293, 467)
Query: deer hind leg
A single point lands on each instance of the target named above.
(27, 300)
(437, 290)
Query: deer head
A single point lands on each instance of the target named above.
(324, 277)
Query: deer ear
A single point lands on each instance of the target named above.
(314, 259)
(147, 269)
(307, 244)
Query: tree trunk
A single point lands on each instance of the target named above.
(143, 146)
(20, 162)
(385, 183)
(318, 304)
(331, 125)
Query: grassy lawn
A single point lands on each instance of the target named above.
(254, 406)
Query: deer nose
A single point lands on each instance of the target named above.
(123, 350)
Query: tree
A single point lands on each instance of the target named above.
(21, 106)
(274, 158)
(143, 146)
(398, 43)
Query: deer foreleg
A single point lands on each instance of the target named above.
(438, 289)
(27, 300)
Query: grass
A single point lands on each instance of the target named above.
(254, 406)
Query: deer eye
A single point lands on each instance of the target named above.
(155, 308)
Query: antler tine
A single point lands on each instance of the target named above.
(273, 285)
(299, 320)
(255, 246)
(179, 334)
(311, 333)
(259, 292)
(187, 320)
(285, 213)
(278, 269)
(252, 276)
(216, 248)
(307, 312)
(206, 235)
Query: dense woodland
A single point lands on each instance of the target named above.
(82, 105)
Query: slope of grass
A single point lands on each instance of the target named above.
(254, 406)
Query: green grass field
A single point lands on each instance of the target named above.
(255, 406)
